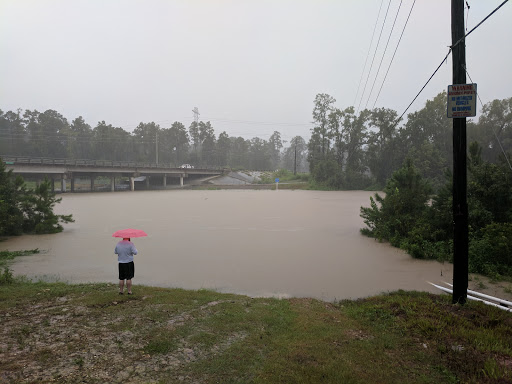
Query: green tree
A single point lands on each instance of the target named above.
(239, 153)
(207, 144)
(319, 144)
(146, 140)
(209, 151)
(14, 137)
(38, 211)
(493, 131)
(274, 147)
(223, 149)
(259, 156)
(193, 131)
(383, 148)
(429, 129)
(80, 140)
(328, 173)
(353, 136)
(174, 142)
(12, 190)
(49, 132)
(489, 190)
(403, 206)
(111, 143)
(295, 156)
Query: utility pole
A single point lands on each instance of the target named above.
(460, 206)
(156, 143)
(295, 164)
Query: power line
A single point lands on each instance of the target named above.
(480, 23)
(449, 51)
(394, 53)
(368, 53)
(422, 88)
(493, 130)
(376, 47)
(257, 122)
(384, 53)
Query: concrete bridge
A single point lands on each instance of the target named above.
(154, 176)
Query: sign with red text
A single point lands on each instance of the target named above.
(461, 100)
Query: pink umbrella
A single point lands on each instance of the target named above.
(129, 232)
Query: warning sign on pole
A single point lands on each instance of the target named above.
(461, 100)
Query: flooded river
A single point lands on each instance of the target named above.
(260, 243)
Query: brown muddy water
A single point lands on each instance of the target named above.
(259, 243)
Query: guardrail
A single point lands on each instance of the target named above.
(13, 160)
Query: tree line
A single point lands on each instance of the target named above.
(49, 134)
(358, 150)
(409, 160)
(412, 163)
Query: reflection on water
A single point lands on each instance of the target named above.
(260, 243)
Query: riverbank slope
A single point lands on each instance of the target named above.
(88, 333)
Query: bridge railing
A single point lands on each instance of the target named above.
(12, 160)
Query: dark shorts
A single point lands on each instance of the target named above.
(126, 271)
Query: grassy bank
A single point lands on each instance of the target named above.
(6, 276)
(89, 333)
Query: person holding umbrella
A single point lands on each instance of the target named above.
(125, 251)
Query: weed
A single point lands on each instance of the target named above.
(493, 370)
(6, 277)
(79, 362)
(160, 346)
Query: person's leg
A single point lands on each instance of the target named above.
(121, 286)
(129, 286)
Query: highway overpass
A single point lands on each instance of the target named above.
(68, 171)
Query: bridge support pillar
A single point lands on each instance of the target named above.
(63, 185)
(112, 183)
(92, 183)
(165, 180)
(147, 182)
(132, 183)
(72, 184)
(181, 181)
(53, 184)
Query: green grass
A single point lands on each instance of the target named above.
(6, 276)
(171, 335)
(6, 256)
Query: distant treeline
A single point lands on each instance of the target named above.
(348, 149)
(49, 134)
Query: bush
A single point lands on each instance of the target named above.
(490, 252)
(402, 208)
(6, 277)
(328, 173)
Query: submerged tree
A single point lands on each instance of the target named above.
(38, 211)
(23, 210)
(12, 190)
(403, 206)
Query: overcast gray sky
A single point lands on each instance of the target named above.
(250, 66)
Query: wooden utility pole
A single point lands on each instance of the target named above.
(460, 206)
(295, 162)
(156, 147)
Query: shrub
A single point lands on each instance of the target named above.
(490, 252)
(6, 277)
(402, 208)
